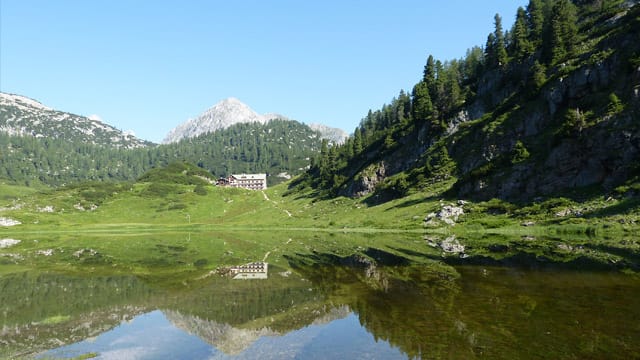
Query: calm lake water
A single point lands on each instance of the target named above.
(326, 313)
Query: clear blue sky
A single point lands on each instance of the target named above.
(149, 65)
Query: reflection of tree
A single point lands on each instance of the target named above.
(410, 307)
(42, 310)
(497, 313)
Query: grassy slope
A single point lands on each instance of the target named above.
(220, 208)
(135, 232)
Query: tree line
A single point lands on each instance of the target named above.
(279, 146)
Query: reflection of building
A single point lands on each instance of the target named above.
(254, 270)
(246, 181)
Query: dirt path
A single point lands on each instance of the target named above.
(276, 204)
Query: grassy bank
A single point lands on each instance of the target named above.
(145, 228)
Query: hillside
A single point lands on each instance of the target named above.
(178, 201)
(22, 116)
(39, 145)
(280, 148)
(549, 108)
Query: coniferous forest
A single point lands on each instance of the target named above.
(280, 147)
(561, 83)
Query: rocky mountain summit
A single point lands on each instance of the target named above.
(334, 135)
(232, 111)
(22, 116)
(222, 115)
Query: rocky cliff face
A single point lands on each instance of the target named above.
(602, 148)
(515, 143)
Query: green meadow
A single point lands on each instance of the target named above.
(163, 228)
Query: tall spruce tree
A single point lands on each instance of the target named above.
(535, 20)
(520, 36)
(495, 49)
(563, 32)
(422, 106)
(500, 46)
(429, 76)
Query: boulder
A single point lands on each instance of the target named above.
(451, 245)
(5, 243)
(449, 214)
(8, 222)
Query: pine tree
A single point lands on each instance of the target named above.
(422, 107)
(500, 44)
(357, 142)
(535, 20)
(452, 89)
(538, 77)
(520, 35)
(495, 49)
(490, 52)
(563, 33)
(430, 75)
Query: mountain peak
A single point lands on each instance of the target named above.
(23, 116)
(334, 135)
(21, 101)
(232, 100)
(227, 112)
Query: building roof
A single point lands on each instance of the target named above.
(249, 176)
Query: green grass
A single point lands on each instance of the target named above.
(57, 319)
(13, 192)
(131, 232)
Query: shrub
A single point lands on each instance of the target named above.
(520, 153)
(200, 190)
(159, 189)
(615, 105)
(200, 263)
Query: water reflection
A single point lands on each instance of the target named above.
(170, 335)
(357, 310)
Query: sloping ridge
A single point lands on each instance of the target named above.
(22, 116)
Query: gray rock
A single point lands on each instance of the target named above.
(8, 222)
(5, 243)
(449, 214)
(452, 245)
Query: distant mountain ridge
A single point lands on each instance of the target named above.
(334, 135)
(22, 116)
(232, 111)
(222, 115)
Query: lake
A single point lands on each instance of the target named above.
(352, 311)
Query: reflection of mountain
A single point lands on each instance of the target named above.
(224, 337)
(420, 311)
(41, 310)
(234, 340)
(277, 302)
(333, 314)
